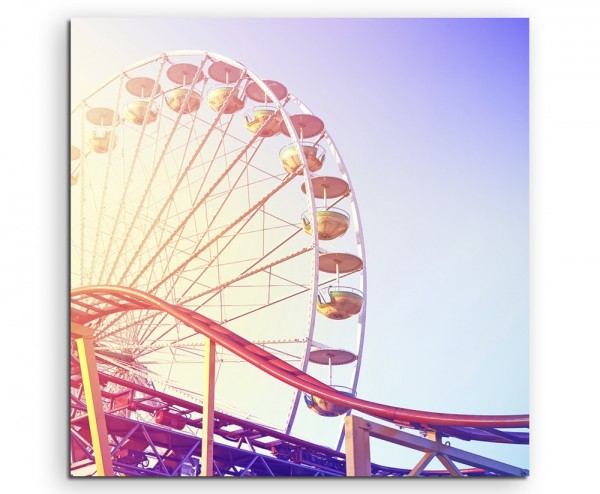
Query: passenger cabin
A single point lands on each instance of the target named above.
(291, 160)
(99, 140)
(336, 301)
(330, 357)
(141, 109)
(184, 100)
(225, 97)
(331, 223)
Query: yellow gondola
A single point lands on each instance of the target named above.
(264, 120)
(291, 161)
(331, 223)
(98, 141)
(339, 302)
(176, 97)
(217, 97)
(327, 408)
(136, 111)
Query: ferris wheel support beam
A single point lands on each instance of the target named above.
(201, 187)
(215, 258)
(226, 284)
(107, 167)
(245, 274)
(172, 194)
(190, 214)
(198, 204)
(272, 302)
(174, 189)
(153, 176)
(136, 155)
(250, 211)
(93, 398)
(208, 409)
(81, 207)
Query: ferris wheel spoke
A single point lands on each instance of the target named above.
(139, 213)
(249, 211)
(199, 203)
(217, 257)
(182, 343)
(218, 289)
(244, 275)
(104, 331)
(282, 299)
(154, 220)
(82, 197)
(191, 213)
(128, 181)
(152, 323)
(107, 167)
(174, 190)
(149, 320)
(271, 303)
(220, 286)
(156, 169)
(179, 230)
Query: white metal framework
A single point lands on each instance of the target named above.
(178, 189)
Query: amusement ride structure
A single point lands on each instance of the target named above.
(219, 290)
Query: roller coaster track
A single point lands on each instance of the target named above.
(89, 304)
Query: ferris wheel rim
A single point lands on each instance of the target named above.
(361, 248)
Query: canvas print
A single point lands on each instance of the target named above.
(231, 183)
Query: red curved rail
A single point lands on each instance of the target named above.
(125, 299)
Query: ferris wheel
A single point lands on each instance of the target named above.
(196, 181)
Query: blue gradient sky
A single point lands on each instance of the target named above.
(431, 117)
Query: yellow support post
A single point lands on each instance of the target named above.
(208, 409)
(93, 399)
(358, 451)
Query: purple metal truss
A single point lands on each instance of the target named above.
(147, 449)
